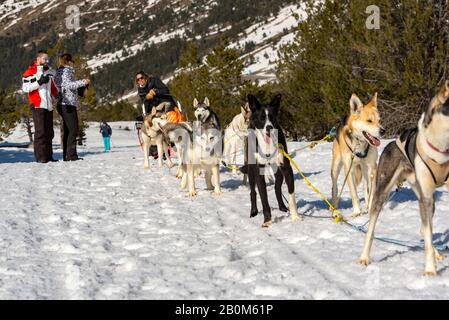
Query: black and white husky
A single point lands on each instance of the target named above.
(204, 114)
(264, 137)
(420, 156)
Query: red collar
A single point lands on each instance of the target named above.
(436, 149)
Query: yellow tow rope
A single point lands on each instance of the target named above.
(336, 215)
(328, 138)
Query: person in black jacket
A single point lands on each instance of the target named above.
(152, 92)
(106, 132)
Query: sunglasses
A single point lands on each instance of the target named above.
(141, 78)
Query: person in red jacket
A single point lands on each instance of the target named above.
(38, 82)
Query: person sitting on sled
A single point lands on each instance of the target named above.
(155, 94)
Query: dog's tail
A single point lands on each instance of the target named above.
(170, 127)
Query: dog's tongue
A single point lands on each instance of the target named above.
(267, 139)
(374, 141)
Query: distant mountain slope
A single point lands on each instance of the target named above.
(122, 36)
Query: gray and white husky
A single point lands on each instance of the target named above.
(204, 113)
(421, 157)
(199, 148)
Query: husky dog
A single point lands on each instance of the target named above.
(421, 157)
(152, 135)
(199, 149)
(263, 127)
(204, 113)
(235, 135)
(355, 149)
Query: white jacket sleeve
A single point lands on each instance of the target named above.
(29, 84)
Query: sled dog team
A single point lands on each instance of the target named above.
(419, 156)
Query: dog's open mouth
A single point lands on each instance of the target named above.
(371, 139)
(268, 138)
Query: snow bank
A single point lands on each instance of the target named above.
(105, 228)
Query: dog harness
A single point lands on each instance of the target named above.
(407, 143)
(360, 155)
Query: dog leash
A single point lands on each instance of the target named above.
(327, 138)
(337, 217)
(139, 136)
(336, 214)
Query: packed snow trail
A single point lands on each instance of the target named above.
(105, 228)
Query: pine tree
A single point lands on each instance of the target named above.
(335, 55)
(8, 113)
(219, 79)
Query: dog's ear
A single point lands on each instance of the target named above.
(276, 102)
(195, 103)
(253, 103)
(443, 95)
(440, 99)
(355, 104)
(206, 101)
(373, 101)
(245, 109)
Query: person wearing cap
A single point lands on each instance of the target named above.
(153, 92)
(69, 89)
(38, 83)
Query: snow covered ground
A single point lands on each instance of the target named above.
(105, 228)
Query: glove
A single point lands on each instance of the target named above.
(43, 79)
(151, 94)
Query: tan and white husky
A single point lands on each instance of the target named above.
(355, 149)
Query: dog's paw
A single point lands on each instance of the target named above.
(267, 224)
(146, 166)
(217, 193)
(254, 213)
(430, 274)
(364, 262)
(439, 257)
(356, 214)
(193, 194)
(296, 218)
(170, 165)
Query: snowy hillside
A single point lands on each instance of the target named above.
(105, 228)
(113, 40)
